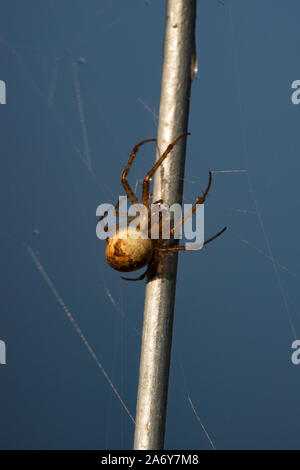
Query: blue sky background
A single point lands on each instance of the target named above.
(238, 301)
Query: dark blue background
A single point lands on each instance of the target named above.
(235, 299)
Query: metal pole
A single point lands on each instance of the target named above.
(179, 68)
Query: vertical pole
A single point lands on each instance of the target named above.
(179, 68)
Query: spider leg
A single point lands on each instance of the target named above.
(160, 201)
(118, 214)
(147, 179)
(199, 201)
(133, 198)
(175, 249)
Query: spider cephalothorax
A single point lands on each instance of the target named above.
(128, 249)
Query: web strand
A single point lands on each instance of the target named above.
(250, 185)
(81, 115)
(69, 315)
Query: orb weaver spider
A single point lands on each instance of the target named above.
(127, 250)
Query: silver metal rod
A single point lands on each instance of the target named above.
(179, 68)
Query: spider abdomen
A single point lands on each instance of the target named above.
(127, 250)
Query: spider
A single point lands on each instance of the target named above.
(127, 250)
